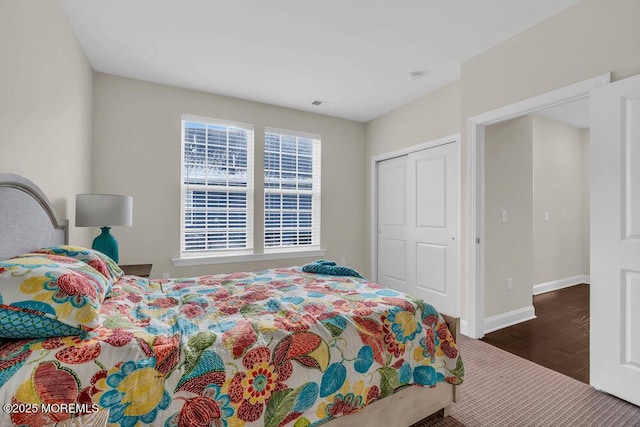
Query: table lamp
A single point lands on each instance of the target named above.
(104, 211)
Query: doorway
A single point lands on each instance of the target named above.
(536, 216)
(476, 183)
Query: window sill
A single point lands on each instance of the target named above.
(227, 259)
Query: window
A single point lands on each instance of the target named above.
(291, 190)
(217, 186)
(217, 209)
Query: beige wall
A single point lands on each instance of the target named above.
(508, 187)
(557, 176)
(426, 118)
(588, 39)
(137, 152)
(45, 104)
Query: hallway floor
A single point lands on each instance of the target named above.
(558, 338)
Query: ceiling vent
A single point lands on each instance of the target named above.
(418, 74)
(321, 102)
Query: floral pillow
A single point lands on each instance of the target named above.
(96, 259)
(49, 296)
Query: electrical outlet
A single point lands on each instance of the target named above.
(546, 216)
(165, 275)
(504, 216)
(343, 261)
(509, 283)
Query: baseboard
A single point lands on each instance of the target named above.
(464, 327)
(503, 320)
(554, 285)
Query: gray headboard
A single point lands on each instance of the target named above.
(27, 218)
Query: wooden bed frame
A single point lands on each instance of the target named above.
(29, 222)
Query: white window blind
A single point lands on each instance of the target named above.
(217, 186)
(291, 190)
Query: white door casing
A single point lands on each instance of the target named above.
(418, 223)
(615, 239)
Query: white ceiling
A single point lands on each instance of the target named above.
(575, 113)
(355, 54)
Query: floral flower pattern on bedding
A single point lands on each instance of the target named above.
(271, 348)
(96, 259)
(49, 295)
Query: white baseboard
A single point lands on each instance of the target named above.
(554, 285)
(503, 320)
(464, 327)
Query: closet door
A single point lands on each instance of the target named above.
(418, 225)
(392, 223)
(432, 188)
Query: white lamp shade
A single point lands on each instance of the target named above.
(103, 210)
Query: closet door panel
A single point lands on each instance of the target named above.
(392, 223)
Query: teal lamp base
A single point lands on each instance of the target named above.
(107, 244)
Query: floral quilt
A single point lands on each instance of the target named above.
(269, 348)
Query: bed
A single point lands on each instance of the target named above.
(83, 344)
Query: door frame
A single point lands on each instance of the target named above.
(475, 185)
(455, 139)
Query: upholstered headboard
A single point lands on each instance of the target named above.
(27, 218)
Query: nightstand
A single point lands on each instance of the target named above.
(142, 270)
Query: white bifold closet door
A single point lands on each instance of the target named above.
(418, 225)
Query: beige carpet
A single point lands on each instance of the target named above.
(501, 389)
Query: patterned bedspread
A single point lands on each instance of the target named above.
(270, 348)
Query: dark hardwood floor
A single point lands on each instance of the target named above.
(558, 338)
